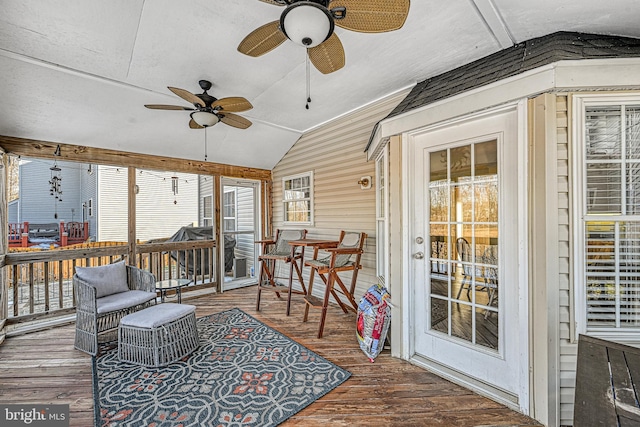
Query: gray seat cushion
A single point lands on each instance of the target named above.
(157, 315)
(107, 279)
(123, 300)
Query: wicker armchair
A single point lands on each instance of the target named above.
(100, 306)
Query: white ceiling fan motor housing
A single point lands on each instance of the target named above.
(306, 23)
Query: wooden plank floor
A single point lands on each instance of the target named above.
(43, 367)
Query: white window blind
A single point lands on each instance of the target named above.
(612, 216)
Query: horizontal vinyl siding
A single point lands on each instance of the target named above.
(89, 190)
(110, 205)
(335, 154)
(12, 210)
(206, 189)
(568, 350)
(245, 244)
(160, 213)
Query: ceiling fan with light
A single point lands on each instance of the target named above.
(209, 110)
(310, 23)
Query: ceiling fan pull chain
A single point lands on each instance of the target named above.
(205, 144)
(308, 80)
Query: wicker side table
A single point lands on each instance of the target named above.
(158, 335)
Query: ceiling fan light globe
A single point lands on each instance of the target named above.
(307, 24)
(204, 118)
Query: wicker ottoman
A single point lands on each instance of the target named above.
(158, 335)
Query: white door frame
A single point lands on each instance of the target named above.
(257, 186)
(408, 349)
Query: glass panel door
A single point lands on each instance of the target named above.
(468, 323)
(239, 206)
(463, 224)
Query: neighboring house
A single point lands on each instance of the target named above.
(35, 204)
(159, 213)
(238, 215)
(97, 194)
(12, 210)
(532, 157)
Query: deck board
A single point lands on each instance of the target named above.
(605, 384)
(43, 367)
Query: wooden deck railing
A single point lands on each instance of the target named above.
(195, 260)
(25, 234)
(40, 282)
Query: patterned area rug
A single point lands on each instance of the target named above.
(243, 374)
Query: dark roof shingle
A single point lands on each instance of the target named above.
(514, 60)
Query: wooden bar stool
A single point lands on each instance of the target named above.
(339, 260)
(278, 250)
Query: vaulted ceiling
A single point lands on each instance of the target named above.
(80, 71)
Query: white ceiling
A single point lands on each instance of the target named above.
(80, 71)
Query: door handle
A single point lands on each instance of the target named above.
(418, 255)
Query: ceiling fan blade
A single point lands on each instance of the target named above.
(372, 16)
(187, 96)
(235, 120)
(167, 107)
(275, 2)
(232, 103)
(262, 40)
(328, 56)
(194, 125)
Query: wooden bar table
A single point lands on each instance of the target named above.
(317, 244)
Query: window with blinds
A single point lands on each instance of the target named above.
(298, 198)
(612, 216)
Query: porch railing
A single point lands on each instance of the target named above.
(25, 234)
(40, 282)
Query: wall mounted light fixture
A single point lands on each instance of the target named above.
(365, 182)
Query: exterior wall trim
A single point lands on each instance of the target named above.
(575, 75)
(543, 259)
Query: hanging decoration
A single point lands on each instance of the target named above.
(174, 188)
(55, 183)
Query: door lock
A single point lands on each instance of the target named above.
(419, 240)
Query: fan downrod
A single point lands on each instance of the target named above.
(205, 85)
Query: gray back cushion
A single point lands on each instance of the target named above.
(107, 279)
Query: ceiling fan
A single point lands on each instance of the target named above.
(310, 23)
(209, 110)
